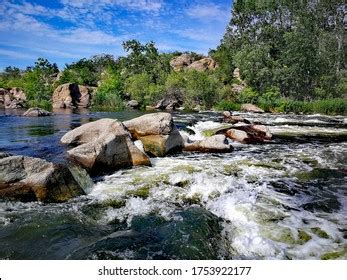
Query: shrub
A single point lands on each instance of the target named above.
(226, 105)
(248, 95)
(109, 94)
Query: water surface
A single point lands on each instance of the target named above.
(282, 200)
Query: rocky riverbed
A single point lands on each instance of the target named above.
(282, 199)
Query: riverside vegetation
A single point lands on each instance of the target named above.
(282, 56)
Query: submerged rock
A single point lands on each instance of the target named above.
(251, 108)
(37, 112)
(103, 146)
(194, 233)
(213, 144)
(29, 179)
(72, 96)
(157, 132)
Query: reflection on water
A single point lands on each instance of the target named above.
(284, 200)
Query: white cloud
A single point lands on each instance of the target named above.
(206, 34)
(141, 5)
(16, 54)
(208, 12)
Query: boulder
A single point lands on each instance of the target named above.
(134, 104)
(181, 62)
(238, 135)
(37, 112)
(103, 146)
(264, 129)
(251, 108)
(203, 64)
(169, 102)
(14, 98)
(72, 96)
(30, 179)
(213, 144)
(157, 132)
(249, 133)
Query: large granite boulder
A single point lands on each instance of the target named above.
(181, 62)
(103, 146)
(213, 144)
(203, 64)
(36, 112)
(30, 179)
(13, 98)
(251, 108)
(72, 96)
(157, 132)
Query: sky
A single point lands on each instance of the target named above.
(64, 31)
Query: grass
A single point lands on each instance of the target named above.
(337, 106)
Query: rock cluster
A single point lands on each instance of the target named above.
(13, 98)
(103, 146)
(186, 61)
(157, 132)
(106, 145)
(244, 131)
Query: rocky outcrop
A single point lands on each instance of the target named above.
(37, 112)
(157, 132)
(72, 96)
(187, 61)
(203, 64)
(14, 98)
(213, 144)
(30, 179)
(103, 146)
(251, 108)
(181, 62)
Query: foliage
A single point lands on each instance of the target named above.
(108, 95)
(226, 105)
(294, 46)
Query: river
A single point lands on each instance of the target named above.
(283, 200)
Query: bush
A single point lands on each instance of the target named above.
(43, 104)
(228, 106)
(248, 95)
(138, 87)
(109, 94)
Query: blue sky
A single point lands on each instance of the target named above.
(67, 30)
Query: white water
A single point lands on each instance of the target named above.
(258, 220)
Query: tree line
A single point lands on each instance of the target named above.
(291, 56)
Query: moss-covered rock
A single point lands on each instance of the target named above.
(320, 233)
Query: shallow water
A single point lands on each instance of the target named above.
(283, 200)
